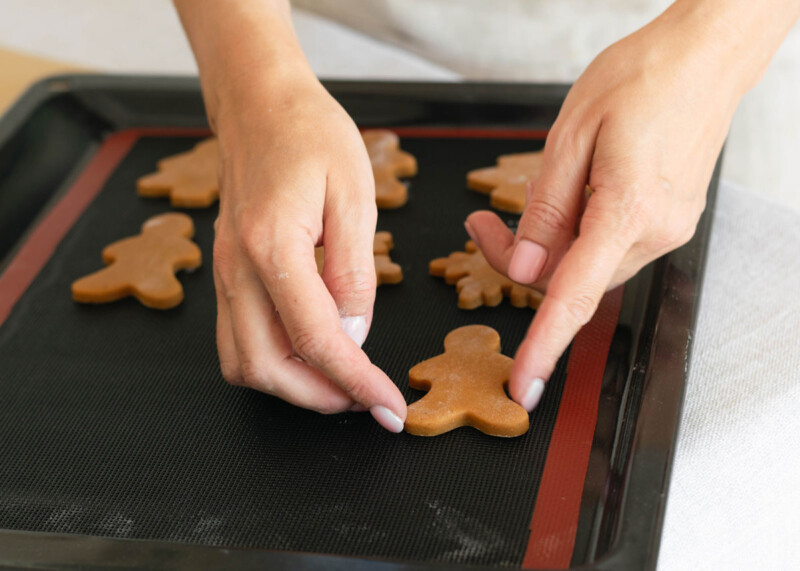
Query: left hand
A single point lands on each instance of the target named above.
(643, 126)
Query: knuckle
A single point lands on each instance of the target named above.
(313, 347)
(255, 375)
(223, 262)
(357, 283)
(542, 214)
(580, 308)
(562, 137)
(252, 238)
(231, 372)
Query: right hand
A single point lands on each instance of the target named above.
(294, 174)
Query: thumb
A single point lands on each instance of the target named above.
(554, 202)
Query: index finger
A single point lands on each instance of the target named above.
(582, 277)
(289, 271)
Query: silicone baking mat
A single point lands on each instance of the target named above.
(117, 424)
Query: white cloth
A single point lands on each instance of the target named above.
(734, 501)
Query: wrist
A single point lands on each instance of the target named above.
(733, 40)
(244, 51)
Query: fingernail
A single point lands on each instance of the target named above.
(356, 328)
(471, 231)
(527, 262)
(386, 418)
(532, 394)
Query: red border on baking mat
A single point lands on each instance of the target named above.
(554, 523)
(41, 243)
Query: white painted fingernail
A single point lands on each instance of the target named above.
(386, 418)
(356, 328)
(532, 394)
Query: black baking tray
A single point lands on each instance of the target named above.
(111, 458)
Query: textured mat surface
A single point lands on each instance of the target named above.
(116, 422)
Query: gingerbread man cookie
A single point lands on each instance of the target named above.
(189, 179)
(465, 387)
(389, 164)
(477, 283)
(387, 271)
(507, 183)
(144, 266)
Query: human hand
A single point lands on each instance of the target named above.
(643, 126)
(294, 175)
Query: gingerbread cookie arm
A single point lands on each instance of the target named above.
(406, 165)
(189, 178)
(383, 242)
(501, 418)
(485, 179)
(194, 193)
(155, 185)
(522, 296)
(452, 268)
(531, 161)
(509, 197)
(115, 249)
(390, 193)
(387, 271)
(102, 286)
(432, 414)
(188, 255)
(160, 291)
(473, 294)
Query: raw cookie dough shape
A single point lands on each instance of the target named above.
(477, 283)
(389, 164)
(189, 179)
(386, 270)
(465, 387)
(144, 266)
(507, 183)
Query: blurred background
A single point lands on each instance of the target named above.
(433, 40)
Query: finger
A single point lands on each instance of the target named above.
(285, 263)
(554, 200)
(576, 287)
(265, 353)
(349, 264)
(493, 237)
(226, 346)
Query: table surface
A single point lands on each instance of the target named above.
(733, 502)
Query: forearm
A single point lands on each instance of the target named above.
(741, 35)
(238, 44)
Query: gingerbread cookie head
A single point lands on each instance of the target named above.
(466, 387)
(387, 272)
(144, 266)
(389, 164)
(189, 179)
(477, 283)
(507, 183)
